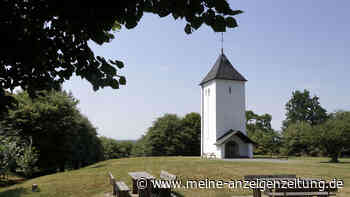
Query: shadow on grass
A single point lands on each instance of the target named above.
(271, 157)
(340, 162)
(17, 192)
(9, 182)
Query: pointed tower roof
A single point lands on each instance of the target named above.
(223, 69)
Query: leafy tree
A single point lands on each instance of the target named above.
(83, 145)
(125, 148)
(304, 108)
(14, 154)
(259, 130)
(191, 134)
(255, 121)
(8, 152)
(110, 147)
(26, 160)
(6, 102)
(46, 119)
(140, 148)
(171, 135)
(334, 135)
(267, 142)
(164, 136)
(63, 137)
(46, 42)
(297, 139)
(113, 149)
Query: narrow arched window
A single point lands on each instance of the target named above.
(229, 90)
(208, 92)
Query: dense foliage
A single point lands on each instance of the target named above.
(113, 149)
(297, 140)
(16, 155)
(304, 108)
(140, 149)
(309, 130)
(8, 152)
(333, 136)
(63, 137)
(260, 131)
(330, 138)
(171, 135)
(46, 42)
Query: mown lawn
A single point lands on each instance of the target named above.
(92, 180)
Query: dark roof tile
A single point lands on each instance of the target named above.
(223, 69)
(239, 134)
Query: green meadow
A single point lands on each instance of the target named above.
(92, 181)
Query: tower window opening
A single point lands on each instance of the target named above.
(229, 90)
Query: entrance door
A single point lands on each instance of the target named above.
(231, 149)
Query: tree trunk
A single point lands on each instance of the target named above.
(62, 167)
(76, 165)
(334, 158)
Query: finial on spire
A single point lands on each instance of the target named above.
(222, 42)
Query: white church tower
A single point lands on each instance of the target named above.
(223, 112)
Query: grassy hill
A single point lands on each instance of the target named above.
(92, 180)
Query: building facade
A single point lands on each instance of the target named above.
(223, 112)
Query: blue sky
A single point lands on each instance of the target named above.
(279, 46)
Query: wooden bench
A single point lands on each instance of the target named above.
(291, 192)
(164, 175)
(165, 190)
(122, 189)
(257, 191)
(300, 192)
(295, 194)
(112, 182)
(209, 156)
(119, 189)
(312, 191)
(212, 156)
(144, 189)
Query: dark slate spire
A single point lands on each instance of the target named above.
(223, 69)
